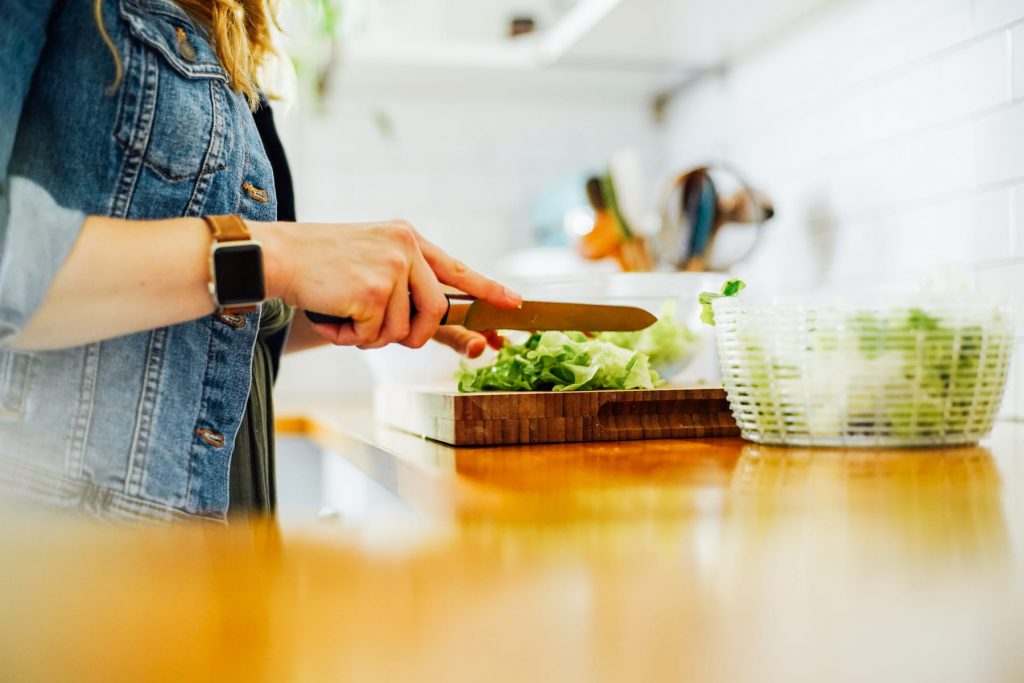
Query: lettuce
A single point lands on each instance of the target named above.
(561, 361)
(664, 342)
(730, 288)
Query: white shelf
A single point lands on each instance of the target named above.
(659, 42)
(585, 17)
(668, 34)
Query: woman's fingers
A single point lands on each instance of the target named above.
(494, 340)
(466, 342)
(453, 272)
(369, 318)
(429, 302)
(339, 335)
(396, 317)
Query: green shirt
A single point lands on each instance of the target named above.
(252, 484)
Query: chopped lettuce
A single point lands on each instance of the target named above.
(730, 288)
(664, 342)
(561, 361)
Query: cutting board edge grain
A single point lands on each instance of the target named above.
(509, 418)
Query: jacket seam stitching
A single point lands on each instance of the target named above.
(81, 425)
(135, 152)
(199, 191)
(144, 416)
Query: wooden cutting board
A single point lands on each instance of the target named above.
(501, 418)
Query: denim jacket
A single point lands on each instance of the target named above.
(141, 426)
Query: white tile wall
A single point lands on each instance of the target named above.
(1017, 51)
(890, 134)
(1017, 221)
(992, 14)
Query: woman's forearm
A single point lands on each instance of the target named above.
(123, 277)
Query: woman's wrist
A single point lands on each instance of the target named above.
(274, 239)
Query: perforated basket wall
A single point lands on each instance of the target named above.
(853, 375)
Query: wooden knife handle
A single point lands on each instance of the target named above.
(323, 318)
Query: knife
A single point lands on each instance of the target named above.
(532, 315)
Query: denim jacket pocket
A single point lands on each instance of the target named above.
(173, 98)
(15, 371)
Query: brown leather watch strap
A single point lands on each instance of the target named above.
(229, 228)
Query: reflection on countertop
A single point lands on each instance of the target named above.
(659, 560)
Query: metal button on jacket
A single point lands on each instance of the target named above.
(185, 48)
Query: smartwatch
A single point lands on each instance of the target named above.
(237, 284)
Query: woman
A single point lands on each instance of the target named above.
(139, 242)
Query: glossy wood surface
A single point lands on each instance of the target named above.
(639, 561)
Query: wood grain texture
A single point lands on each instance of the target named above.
(503, 418)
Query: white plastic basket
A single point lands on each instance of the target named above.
(864, 373)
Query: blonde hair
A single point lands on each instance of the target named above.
(240, 33)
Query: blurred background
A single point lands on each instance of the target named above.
(849, 141)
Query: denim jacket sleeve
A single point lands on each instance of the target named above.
(36, 233)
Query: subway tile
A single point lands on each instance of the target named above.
(1003, 282)
(992, 14)
(1000, 145)
(964, 230)
(975, 77)
(850, 45)
(969, 80)
(922, 167)
(1017, 220)
(1017, 49)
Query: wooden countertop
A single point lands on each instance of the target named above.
(662, 560)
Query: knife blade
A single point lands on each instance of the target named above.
(533, 315)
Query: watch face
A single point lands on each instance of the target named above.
(239, 272)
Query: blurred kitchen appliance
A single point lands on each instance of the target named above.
(711, 219)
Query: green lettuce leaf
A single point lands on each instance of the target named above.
(561, 361)
(730, 288)
(664, 342)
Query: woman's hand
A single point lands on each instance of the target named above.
(468, 342)
(375, 274)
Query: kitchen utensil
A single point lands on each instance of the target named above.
(613, 235)
(700, 206)
(532, 315)
(711, 219)
(864, 372)
(494, 418)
